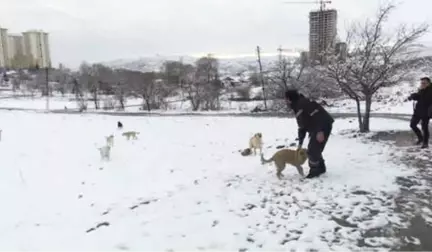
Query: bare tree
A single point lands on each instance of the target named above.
(79, 96)
(122, 77)
(105, 77)
(285, 74)
(147, 85)
(207, 78)
(376, 58)
(62, 77)
(193, 86)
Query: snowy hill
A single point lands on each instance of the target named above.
(227, 67)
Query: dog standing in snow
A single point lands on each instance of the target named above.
(282, 157)
(105, 152)
(256, 143)
(131, 134)
(110, 140)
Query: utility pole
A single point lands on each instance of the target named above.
(47, 105)
(261, 76)
(39, 34)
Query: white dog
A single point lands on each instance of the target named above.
(105, 152)
(110, 140)
(256, 143)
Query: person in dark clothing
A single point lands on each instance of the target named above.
(311, 118)
(422, 111)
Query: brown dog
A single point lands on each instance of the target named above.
(286, 156)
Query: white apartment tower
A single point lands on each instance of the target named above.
(4, 51)
(17, 53)
(36, 47)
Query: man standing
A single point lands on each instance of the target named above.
(422, 111)
(311, 118)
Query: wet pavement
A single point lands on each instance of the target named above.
(414, 201)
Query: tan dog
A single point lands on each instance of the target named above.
(286, 156)
(110, 140)
(256, 143)
(130, 134)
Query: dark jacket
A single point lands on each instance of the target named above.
(424, 102)
(311, 117)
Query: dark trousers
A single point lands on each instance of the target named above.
(424, 126)
(315, 150)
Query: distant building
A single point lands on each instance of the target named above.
(4, 51)
(341, 50)
(36, 46)
(322, 33)
(17, 53)
(31, 49)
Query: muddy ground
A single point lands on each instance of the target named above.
(415, 200)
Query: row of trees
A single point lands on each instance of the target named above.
(198, 83)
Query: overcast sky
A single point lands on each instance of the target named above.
(101, 30)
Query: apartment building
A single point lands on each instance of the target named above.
(17, 54)
(322, 33)
(4, 49)
(27, 50)
(36, 47)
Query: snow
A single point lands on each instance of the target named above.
(386, 100)
(183, 186)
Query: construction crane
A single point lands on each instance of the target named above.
(322, 3)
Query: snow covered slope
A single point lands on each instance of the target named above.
(227, 67)
(183, 186)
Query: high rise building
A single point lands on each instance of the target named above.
(341, 50)
(36, 46)
(322, 33)
(4, 51)
(17, 53)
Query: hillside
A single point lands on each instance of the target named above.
(227, 67)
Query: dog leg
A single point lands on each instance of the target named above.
(300, 170)
(279, 169)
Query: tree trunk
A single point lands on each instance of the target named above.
(95, 97)
(359, 115)
(147, 103)
(366, 117)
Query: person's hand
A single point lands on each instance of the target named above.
(320, 137)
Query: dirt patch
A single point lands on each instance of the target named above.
(414, 201)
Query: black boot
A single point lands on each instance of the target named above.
(420, 141)
(425, 146)
(323, 167)
(313, 173)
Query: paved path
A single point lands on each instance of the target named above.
(405, 117)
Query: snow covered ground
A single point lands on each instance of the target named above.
(387, 100)
(132, 104)
(183, 186)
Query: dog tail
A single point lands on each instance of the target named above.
(265, 161)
